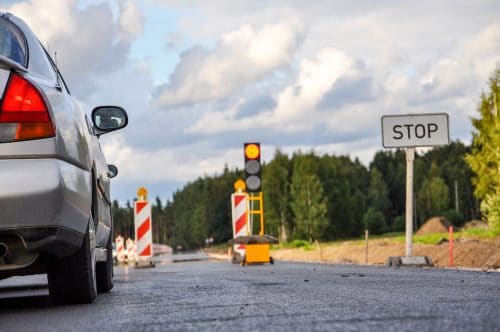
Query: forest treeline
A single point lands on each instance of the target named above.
(324, 197)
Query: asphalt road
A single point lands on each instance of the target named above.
(220, 296)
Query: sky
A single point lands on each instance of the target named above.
(200, 78)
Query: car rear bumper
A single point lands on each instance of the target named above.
(46, 202)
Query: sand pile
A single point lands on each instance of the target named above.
(434, 225)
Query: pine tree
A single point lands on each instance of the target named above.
(276, 181)
(433, 196)
(484, 158)
(308, 200)
(378, 196)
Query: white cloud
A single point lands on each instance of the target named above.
(90, 43)
(325, 75)
(51, 16)
(131, 20)
(167, 164)
(296, 104)
(240, 57)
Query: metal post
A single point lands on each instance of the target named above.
(366, 246)
(456, 195)
(261, 198)
(450, 241)
(410, 157)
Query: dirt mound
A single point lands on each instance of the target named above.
(476, 224)
(434, 225)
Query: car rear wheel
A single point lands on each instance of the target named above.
(104, 270)
(73, 279)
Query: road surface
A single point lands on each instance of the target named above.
(220, 296)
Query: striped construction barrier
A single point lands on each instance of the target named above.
(143, 229)
(120, 249)
(239, 209)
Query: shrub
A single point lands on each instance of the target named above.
(456, 218)
(374, 221)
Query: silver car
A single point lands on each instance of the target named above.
(55, 205)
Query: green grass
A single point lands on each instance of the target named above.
(219, 247)
(481, 233)
(433, 238)
(392, 237)
(305, 245)
(395, 237)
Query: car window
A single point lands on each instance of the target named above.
(39, 63)
(12, 42)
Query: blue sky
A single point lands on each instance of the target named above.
(199, 78)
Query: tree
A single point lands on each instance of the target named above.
(433, 196)
(378, 196)
(484, 158)
(345, 183)
(276, 184)
(374, 221)
(157, 218)
(308, 200)
(392, 166)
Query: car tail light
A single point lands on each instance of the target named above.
(23, 112)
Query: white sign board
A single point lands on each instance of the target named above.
(411, 130)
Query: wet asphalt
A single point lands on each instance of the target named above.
(220, 296)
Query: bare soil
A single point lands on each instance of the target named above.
(467, 253)
(434, 225)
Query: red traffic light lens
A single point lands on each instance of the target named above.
(252, 151)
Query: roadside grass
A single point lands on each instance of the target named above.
(482, 233)
(219, 247)
(394, 237)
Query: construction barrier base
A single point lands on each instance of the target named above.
(144, 264)
(236, 258)
(257, 248)
(412, 261)
(258, 254)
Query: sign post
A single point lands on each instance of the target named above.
(410, 131)
(410, 157)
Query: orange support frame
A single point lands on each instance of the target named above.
(259, 211)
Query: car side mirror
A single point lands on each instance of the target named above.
(112, 171)
(108, 118)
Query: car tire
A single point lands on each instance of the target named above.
(104, 270)
(73, 279)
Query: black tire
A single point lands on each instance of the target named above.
(104, 270)
(72, 279)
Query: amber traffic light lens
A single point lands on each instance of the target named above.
(252, 151)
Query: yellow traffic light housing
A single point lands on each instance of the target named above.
(253, 169)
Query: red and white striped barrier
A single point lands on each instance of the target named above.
(240, 216)
(143, 227)
(120, 249)
(131, 250)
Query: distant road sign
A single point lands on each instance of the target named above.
(412, 130)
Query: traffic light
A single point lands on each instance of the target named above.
(253, 168)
